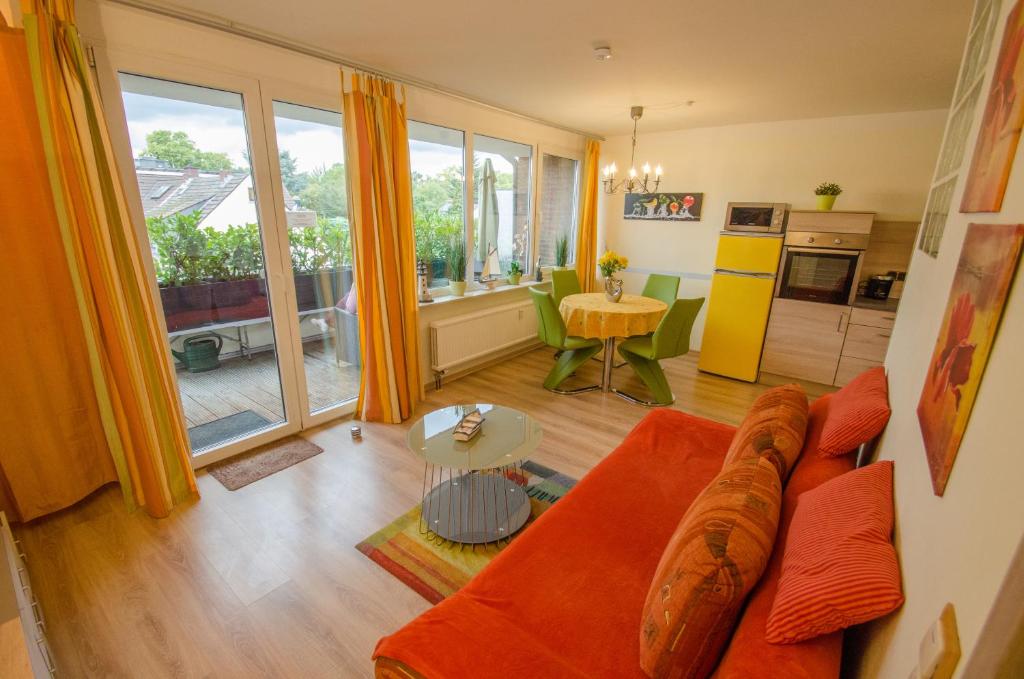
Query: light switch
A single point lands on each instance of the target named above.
(940, 648)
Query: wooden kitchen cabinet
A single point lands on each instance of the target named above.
(850, 367)
(833, 221)
(805, 339)
(866, 342)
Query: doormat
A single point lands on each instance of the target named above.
(226, 428)
(240, 471)
(436, 569)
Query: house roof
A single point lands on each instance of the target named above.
(168, 192)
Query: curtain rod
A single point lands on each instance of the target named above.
(252, 33)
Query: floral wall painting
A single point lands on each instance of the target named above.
(976, 300)
(672, 207)
(1001, 126)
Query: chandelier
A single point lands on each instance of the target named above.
(633, 183)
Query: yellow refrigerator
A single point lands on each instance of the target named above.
(741, 297)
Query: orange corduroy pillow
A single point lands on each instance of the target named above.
(839, 567)
(773, 428)
(715, 557)
(857, 413)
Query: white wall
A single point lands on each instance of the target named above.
(958, 547)
(235, 209)
(884, 163)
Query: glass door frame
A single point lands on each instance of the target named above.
(271, 91)
(277, 259)
(569, 154)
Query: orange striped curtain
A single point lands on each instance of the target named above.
(384, 247)
(586, 239)
(128, 361)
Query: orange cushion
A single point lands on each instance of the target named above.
(749, 655)
(711, 563)
(840, 567)
(858, 413)
(773, 428)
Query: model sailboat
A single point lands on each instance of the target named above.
(491, 272)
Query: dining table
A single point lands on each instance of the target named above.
(593, 316)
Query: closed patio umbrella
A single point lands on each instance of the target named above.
(487, 233)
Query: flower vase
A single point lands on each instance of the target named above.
(612, 288)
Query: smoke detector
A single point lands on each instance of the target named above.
(603, 53)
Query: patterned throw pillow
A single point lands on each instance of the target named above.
(712, 561)
(774, 428)
(857, 413)
(839, 567)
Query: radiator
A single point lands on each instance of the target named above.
(462, 339)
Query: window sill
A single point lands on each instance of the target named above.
(446, 298)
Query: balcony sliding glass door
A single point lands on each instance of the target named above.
(246, 214)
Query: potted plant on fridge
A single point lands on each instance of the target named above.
(826, 193)
(457, 266)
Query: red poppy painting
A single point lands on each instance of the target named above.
(976, 300)
(1001, 126)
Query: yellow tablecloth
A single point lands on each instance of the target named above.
(592, 315)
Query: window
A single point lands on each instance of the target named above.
(558, 208)
(437, 159)
(501, 201)
(207, 243)
(311, 156)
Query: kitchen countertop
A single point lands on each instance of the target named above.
(863, 302)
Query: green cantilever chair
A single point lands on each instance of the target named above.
(574, 350)
(672, 338)
(660, 286)
(564, 282)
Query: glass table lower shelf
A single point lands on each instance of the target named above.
(475, 507)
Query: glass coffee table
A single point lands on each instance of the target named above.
(473, 491)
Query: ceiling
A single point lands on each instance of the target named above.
(739, 61)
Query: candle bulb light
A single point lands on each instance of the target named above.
(657, 171)
(647, 169)
(632, 173)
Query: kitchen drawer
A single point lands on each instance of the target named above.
(830, 222)
(850, 367)
(804, 340)
(863, 341)
(873, 318)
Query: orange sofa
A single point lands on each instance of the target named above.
(565, 598)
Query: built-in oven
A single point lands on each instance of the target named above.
(756, 217)
(821, 267)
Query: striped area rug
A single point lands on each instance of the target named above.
(436, 569)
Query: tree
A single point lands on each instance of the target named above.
(178, 149)
(325, 192)
(293, 180)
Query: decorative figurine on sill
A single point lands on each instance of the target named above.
(538, 274)
(421, 275)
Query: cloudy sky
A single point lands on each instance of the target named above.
(221, 128)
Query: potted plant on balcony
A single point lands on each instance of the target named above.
(826, 193)
(457, 266)
(561, 251)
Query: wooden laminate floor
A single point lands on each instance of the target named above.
(265, 581)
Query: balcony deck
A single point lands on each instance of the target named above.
(242, 384)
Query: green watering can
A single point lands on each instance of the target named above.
(200, 353)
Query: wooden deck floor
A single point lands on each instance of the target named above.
(265, 581)
(241, 384)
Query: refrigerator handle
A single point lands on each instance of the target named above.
(745, 274)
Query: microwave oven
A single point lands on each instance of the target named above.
(756, 217)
